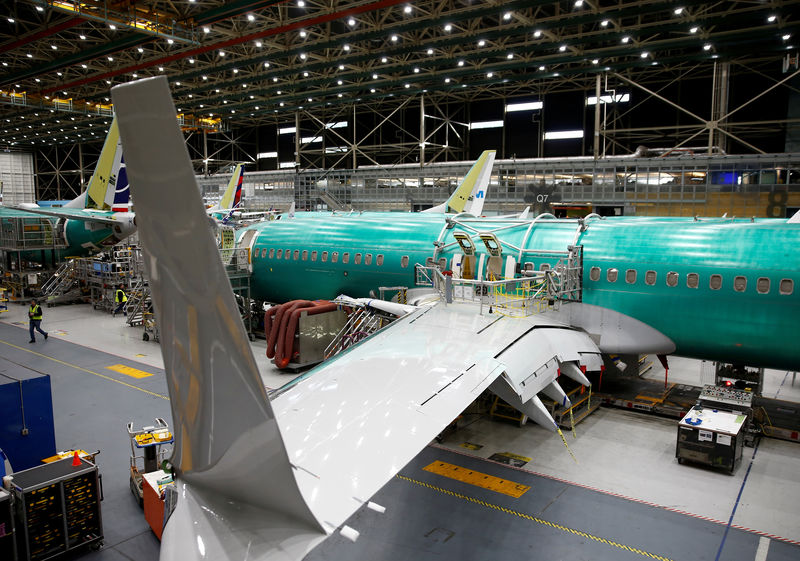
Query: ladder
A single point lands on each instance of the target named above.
(138, 304)
(61, 282)
(361, 323)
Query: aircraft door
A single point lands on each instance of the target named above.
(468, 258)
(494, 268)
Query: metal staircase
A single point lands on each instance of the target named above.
(361, 323)
(62, 281)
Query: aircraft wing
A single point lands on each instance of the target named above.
(262, 479)
(74, 214)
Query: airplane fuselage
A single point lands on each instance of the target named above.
(721, 289)
(70, 238)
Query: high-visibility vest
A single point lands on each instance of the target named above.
(35, 312)
(121, 296)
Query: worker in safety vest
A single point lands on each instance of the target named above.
(120, 298)
(35, 320)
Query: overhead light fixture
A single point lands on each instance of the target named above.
(112, 27)
(644, 54)
(374, 76)
(305, 74)
(507, 16)
(303, 33)
(694, 30)
(83, 37)
(541, 68)
(460, 63)
(235, 70)
(222, 53)
(206, 29)
(771, 19)
(678, 11)
(54, 47)
(604, 23)
(481, 43)
(485, 125)
(416, 70)
(537, 34)
(786, 37)
(448, 27)
(407, 86)
(84, 66)
(395, 38)
(626, 40)
(384, 60)
(258, 44)
(429, 51)
(351, 22)
(170, 41)
(525, 106)
(251, 17)
(509, 56)
(110, 59)
(562, 48)
(372, 90)
(489, 74)
(707, 47)
(301, 4)
(595, 61)
(303, 56)
(447, 80)
(407, 10)
(341, 67)
(578, 3)
(141, 50)
(346, 47)
(562, 135)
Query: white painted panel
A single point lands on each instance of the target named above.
(16, 177)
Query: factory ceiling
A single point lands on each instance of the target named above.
(246, 63)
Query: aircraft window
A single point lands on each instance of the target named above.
(762, 286)
(429, 262)
(739, 283)
(715, 282)
(630, 276)
(305, 255)
(379, 260)
(544, 267)
(650, 277)
(787, 286)
(324, 256)
(529, 266)
(357, 259)
(692, 280)
(263, 253)
(346, 257)
(313, 255)
(443, 263)
(672, 278)
(404, 261)
(288, 254)
(334, 257)
(594, 273)
(368, 259)
(280, 253)
(272, 253)
(296, 254)
(611, 275)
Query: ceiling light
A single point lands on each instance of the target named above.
(303, 56)
(191, 61)
(407, 86)
(645, 54)
(541, 68)
(108, 82)
(84, 66)
(161, 69)
(83, 37)
(771, 19)
(509, 56)
(256, 108)
(562, 48)
(341, 67)
(54, 47)
(305, 74)
(141, 50)
(351, 22)
(372, 90)
(136, 76)
(384, 60)
(235, 70)
(416, 70)
(206, 30)
(447, 80)
(694, 30)
(205, 77)
(460, 63)
(429, 51)
(29, 55)
(36, 80)
(489, 74)
(626, 39)
(274, 79)
(448, 27)
(395, 38)
(309, 99)
(537, 34)
(707, 47)
(578, 3)
(110, 59)
(786, 37)
(339, 82)
(595, 61)
(10, 20)
(407, 10)
(677, 11)
(251, 17)
(303, 33)
(507, 16)
(301, 4)
(346, 47)
(604, 23)
(176, 83)
(222, 53)
(481, 43)
(374, 76)
(39, 9)
(112, 27)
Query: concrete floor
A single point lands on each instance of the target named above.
(620, 454)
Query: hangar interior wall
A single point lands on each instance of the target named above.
(16, 178)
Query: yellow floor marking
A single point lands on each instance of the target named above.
(514, 456)
(547, 523)
(478, 479)
(128, 371)
(76, 367)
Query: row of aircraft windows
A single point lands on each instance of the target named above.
(785, 287)
(305, 255)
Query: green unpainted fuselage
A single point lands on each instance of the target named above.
(748, 319)
(77, 240)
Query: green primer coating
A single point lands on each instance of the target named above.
(759, 329)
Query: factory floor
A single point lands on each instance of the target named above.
(623, 496)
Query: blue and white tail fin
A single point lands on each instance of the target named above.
(471, 192)
(228, 445)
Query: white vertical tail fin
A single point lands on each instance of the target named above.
(233, 192)
(471, 192)
(228, 445)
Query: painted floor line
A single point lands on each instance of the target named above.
(82, 369)
(621, 496)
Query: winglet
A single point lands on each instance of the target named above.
(472, 188)
(795, 219)
(228, 445)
